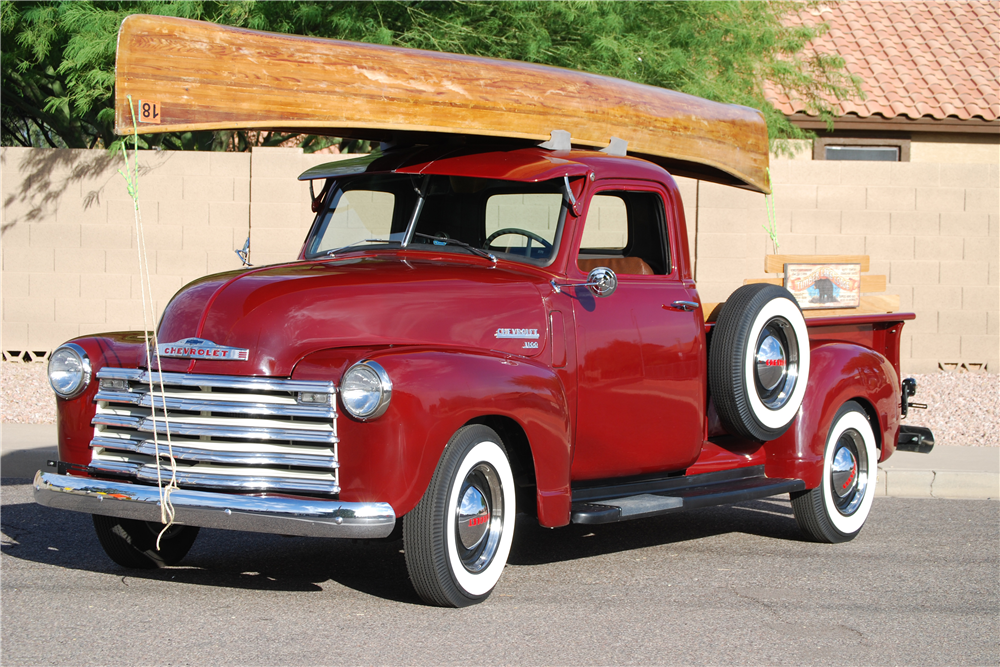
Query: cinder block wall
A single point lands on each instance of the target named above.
(70, 262)
(70, 250)
(932, 229)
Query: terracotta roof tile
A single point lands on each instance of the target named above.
(934, 58)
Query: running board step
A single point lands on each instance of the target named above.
(696, 493)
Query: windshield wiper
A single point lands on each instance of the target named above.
(462, 244)
(333, 253)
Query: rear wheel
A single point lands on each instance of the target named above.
(837, 509)
(132, 543)
(458, 537)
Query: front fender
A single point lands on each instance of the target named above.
(434, 393)
(839, 372)
(74, 415)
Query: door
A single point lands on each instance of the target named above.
(641, 358)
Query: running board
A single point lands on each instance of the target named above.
(676, 494)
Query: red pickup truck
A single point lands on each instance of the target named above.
(478, 324)
(469, 333)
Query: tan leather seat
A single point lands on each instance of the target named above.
(629, 266)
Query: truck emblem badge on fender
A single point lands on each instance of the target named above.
(199, 348)
(516, 333)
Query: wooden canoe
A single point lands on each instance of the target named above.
(193, 75)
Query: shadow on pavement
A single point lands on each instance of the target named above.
(24, 463)
(219, 558)
(534, 545)
(253, 561)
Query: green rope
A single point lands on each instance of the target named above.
(131, 171)
(772, 227)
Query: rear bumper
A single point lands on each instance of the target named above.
(284, 516)
(915, 439)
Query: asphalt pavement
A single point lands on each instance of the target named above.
(947, 472)
(736, 585)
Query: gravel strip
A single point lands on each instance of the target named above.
(25, 394)
(963, 408)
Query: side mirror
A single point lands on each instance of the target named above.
(602, 281)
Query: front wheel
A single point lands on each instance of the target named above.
(837, 509)
(458, 537)
(132, 543)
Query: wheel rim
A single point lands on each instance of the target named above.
(776, 363)
(849, 472)
(479, 518)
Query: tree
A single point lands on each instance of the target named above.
(58, 57)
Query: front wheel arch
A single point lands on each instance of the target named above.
(522, 459)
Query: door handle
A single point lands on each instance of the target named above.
(683, 305)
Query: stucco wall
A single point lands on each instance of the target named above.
(955, 148)
(70, 262)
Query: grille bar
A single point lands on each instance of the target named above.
(201, 405)
(208, 480)
(222, 381)
(244, 432)
(246, 482)
(183, 451)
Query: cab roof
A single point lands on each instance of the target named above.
(528, 165)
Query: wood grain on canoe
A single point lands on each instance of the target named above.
(202, 76)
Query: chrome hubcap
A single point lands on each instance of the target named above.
(849, 472)
(771, 363)
(479, 517)
(776, 363)
(473, 517)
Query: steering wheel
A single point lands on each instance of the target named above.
(520, 232)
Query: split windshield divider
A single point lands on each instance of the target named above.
(411, 227)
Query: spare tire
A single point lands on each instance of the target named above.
(758, 363)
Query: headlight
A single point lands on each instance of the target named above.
(365, 390)
(69, 370)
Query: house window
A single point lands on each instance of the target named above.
(868, 153)
(864, 149)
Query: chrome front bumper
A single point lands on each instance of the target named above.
(284, 516)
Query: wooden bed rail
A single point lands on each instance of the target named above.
(871, 285)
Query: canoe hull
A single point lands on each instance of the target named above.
(193, 75)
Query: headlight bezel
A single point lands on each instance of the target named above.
(379, 374)
(85, 366)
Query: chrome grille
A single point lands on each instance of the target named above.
(232, 433)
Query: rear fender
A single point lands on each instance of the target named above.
(839, 372)
(434, 393)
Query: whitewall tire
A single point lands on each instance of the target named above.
(759, 362)
(458, 538)
(837, 509)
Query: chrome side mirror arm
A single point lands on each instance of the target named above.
(601, 281)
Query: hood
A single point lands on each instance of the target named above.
(282, 313)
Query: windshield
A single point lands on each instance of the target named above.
(513, 220)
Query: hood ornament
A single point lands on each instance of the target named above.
(199, 348)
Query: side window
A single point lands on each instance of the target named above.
(626, 231)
